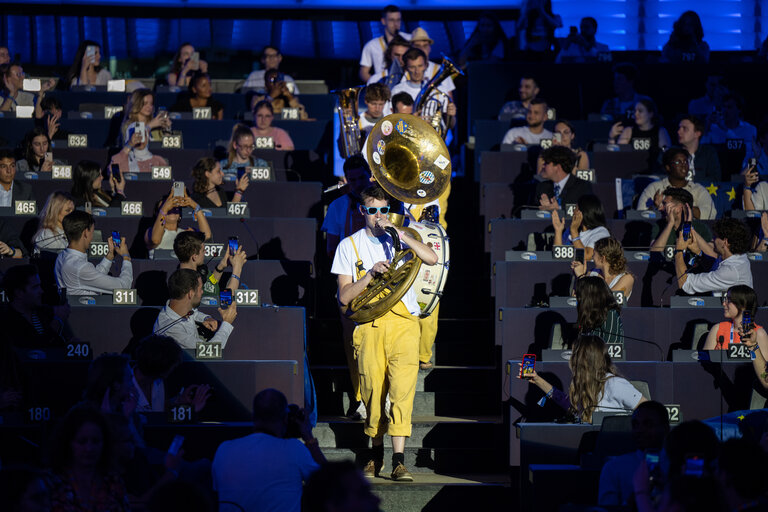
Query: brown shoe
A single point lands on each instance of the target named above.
(401, 474)
(371, 470)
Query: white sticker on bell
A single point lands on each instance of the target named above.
(386, 128)
(377, 158)
(442, 162)
(421, 193)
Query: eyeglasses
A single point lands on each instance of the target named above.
(251, 147)
(372, 210)
(680, 162)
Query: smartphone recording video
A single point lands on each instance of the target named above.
(225, 298)
(116, 238)
(116, 172)
(234, 244)
(528, 366)
(686, 230)
(578, 255)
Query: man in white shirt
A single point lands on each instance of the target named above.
(270, 59)
(372, 58)
(264, 471)
(81, 277)
(376, 97)
(387, 348)
(392, 72)
(415, 79)
(420, 39)
(534, 131)
(732, 239)
(179, 317)
(675, 161)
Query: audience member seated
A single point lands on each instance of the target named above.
(81, 277)
(189, 248)
(676, 202)
(36, 147)
(179, 317)
(199, 95)
(372, 57)
(279, 96)
(394, 67)
(675, 162)
(559, 187)
(51, 115)
(376, 97)
(563, 136)
(166, 227)
(24, 489)
(729, 247)
(582, 46)
(12, 94)
(402, 103)
(728, 125)
(598, 313)
(5, 55)
(534, 130)
(239, 151)
(536, 26)
(86, 68)
(10, 243)
(140, 108)
(488, 42)
(265, 470)
(686, 43)
(185, 65)
(270, 59)
(587, 225)
(50, 233)
(703, 160)
(623, 104)
(344, 217)
(518, 109)
(11, 189)
(610, 264)
(338, 486)
(647, 125)
(595, 386)
(263, 114)
(206, 189)
(421, 40)
(737, 301)
(28, 323)
(741, 471)
(81, 460)
(712, 99)
(87, 178)
(650, 425)
(135, 156)
(156, 357)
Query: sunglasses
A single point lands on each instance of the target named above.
(372, 210)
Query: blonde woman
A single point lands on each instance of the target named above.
(239, 150)
(141, 108)
(50, 235)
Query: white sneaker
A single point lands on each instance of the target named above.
(361, 411)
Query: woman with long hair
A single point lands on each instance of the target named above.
(588, 225)
(36, 145)
(140, 107)
(596, 385)
(564, 135)
(610, 264)
(86, 186)
(686, 42)
(206, 189)
(647, 125)
(83, 479)
(239, 151)
(135, 156)
(263, 114)
(184, 66)
(199, 94)
(86, 69)
(167, 216)
(598, 313)
(50, 234)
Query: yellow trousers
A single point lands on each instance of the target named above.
(428, 333)
(387, 353)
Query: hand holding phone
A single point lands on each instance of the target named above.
(528, 368)
(225, 298)
(178, 189)
(686, 230)
(116, 238)
(234, 245)
(578, 255)
(746, 322)
(115, 170)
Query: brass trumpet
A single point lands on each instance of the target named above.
(349, 118)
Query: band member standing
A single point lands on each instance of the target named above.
(386, 348)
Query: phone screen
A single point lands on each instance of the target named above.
(240, 172)
(234, 244)
(686, 230)
(578, 255)
(746, 321)
(225, 298)
(116, 238)
(176, 445)
(528, 367)
(178, 189)
(116, 172)
(90, 51)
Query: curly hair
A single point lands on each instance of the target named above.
(612, 252)
(595, 299)
(560, 155)
(737, 234)
(202, 166)
(592, 367)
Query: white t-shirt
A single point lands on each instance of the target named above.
(446, 85)
(760, 196)
(701, 198)
(262, 472)
(619, 394)
(590, 236)
(46, 239)
(256, 81)
(373, 52)
(528, 136)
(371, 251)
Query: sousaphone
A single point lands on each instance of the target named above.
(410, 161)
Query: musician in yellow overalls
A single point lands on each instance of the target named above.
(386, 349)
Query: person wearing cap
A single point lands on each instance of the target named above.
(421, 40)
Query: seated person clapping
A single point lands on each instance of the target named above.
(207, 189)
(610, 264)
(135, 157)
(81, 277)
(140, 107)
(166, 226)
(596, 384)
(676, 208)
(86, 68)
(199, 95)
(587, 225)
(30, 324)
(559, 187)
(263, 115)
(37, 156)
(239, 151)
(185, 64)
(50, 234)
(87, 178)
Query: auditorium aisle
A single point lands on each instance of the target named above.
(458, 450)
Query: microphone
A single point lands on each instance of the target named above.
(721, 341)
(250, 233)
(180, 319)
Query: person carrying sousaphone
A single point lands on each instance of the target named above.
(387, 348)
